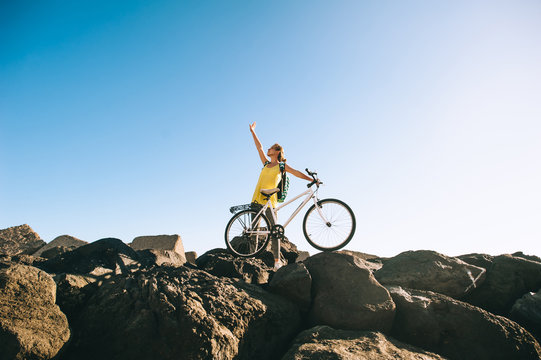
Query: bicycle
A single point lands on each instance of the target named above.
(328, 225)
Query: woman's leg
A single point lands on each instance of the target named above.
(275, 242)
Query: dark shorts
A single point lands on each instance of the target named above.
(268, 212)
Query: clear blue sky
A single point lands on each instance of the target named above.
(129, 118)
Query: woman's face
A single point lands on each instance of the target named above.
(272, 151)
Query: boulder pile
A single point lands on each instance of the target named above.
(111, 300)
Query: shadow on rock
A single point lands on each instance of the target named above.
(180, 313)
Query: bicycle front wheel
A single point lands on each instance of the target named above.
(329, 226)
(246, 235)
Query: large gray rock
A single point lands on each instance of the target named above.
(288, 253)
(428, 270)
(98, 258)
(19, 240)
(180, 313)
(31, 325)
(65, 241)
(160, 242)
(481, 260)
(152, 257)
(527, 312)
(293, 282)
(323, 342)
(70, 291)
(191, 256)
(374, 261)
(520, 254)
(56, 251)
(458, 330)
(507, 280)
(220, 262)
(345, 294)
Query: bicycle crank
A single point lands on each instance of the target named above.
(278, 232)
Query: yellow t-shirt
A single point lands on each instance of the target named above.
(268, 179)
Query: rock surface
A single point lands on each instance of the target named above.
(70, 293)
(345, 294)
(220, 262)
(481, 260)
(56, 251)
(527, 312)
(151, 257)
(458, 330)
(144, 304)
(31, 325)
(160, 242)
(180, 313)
(374, 261)
(19, 240)
(191, 256)
(293, 282)
(98, 258)
(65, 241)
(507, 280)
(428, 270)
(323, 342)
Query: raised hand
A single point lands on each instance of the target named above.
(252, 127)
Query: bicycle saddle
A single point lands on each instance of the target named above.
(269, 192)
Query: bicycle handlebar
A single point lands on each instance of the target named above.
(316, 181)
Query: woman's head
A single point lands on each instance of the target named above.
(278, 151)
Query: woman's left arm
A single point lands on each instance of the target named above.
(297, 173)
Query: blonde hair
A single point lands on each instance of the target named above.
(281, 156)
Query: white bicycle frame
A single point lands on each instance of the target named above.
(309, 195)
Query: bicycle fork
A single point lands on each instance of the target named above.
(318, 208)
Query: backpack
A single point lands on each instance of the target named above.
(283, 185)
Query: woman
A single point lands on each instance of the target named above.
(269, 179)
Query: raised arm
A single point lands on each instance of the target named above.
(258, 144)
(297, 173)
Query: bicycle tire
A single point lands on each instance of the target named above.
(333, 235)
(236, 239)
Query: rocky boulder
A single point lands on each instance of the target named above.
(19, 240)
(481, 260)
(63, 241)
(293, 282)
(220, 262)
(56, 251)
(31, 325)
(152, 257)
(428, 270)
(374, 261)
(527, 312)
(191, 256)
(160, 242)
(180, 313)
(303, 255)
(520, 254)
(98, 258)
(323, 342)
(70, 293)
(288, 253)
(458, 330)
(507, 280)
(345, 294)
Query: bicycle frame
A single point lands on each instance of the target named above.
(309, 195)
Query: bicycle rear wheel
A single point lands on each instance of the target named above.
(334, 230)
(246, 235)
